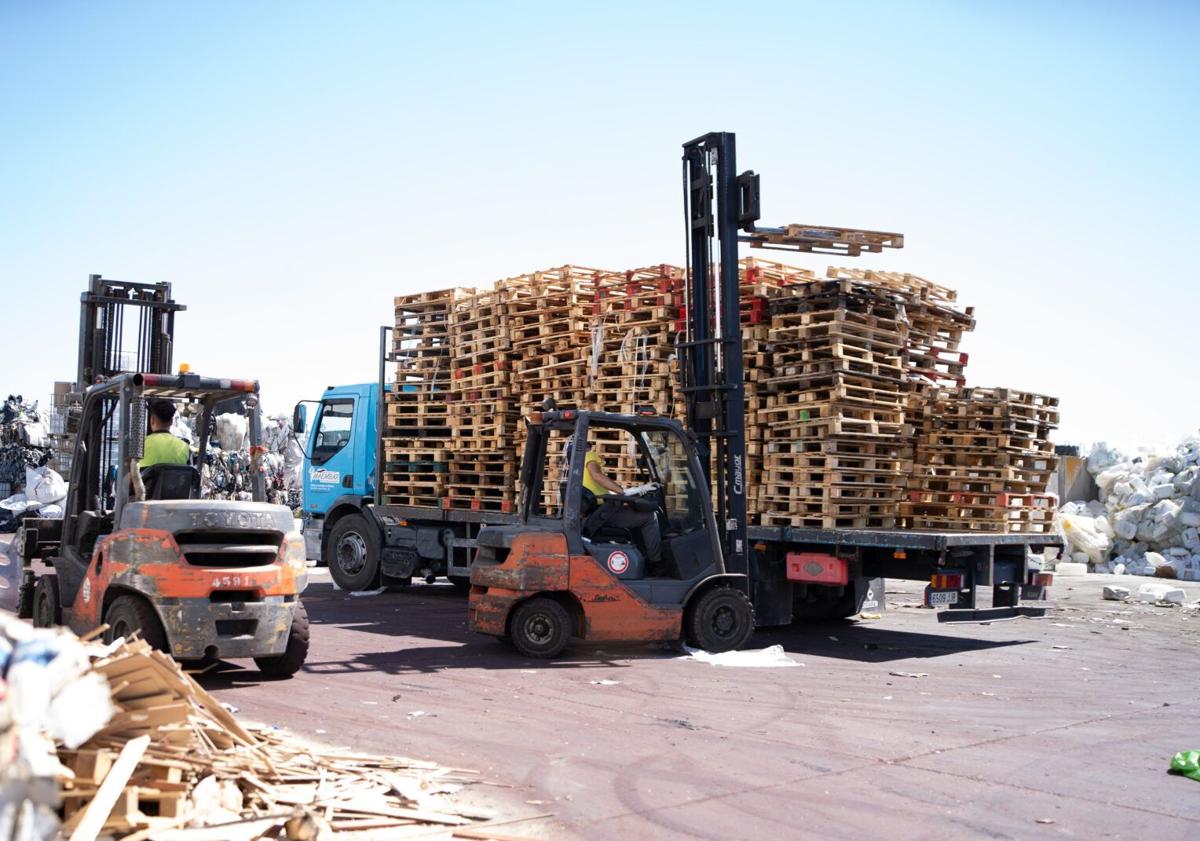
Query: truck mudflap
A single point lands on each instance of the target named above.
(200, 627)
(990, 614)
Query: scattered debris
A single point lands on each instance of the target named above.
(1154, 593)
(1187, 763)
(360, 593)
(772, 657)
(909, 674)
(1113, 593)
(1147, 520)
(163, 757)
(605, 682)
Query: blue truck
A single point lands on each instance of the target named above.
(800, 573)
(364, 542)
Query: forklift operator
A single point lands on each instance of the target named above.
(161, 446)
(598, 484)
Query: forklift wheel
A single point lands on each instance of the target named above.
(290, 661)
(462, 583)
(721, 619)
(540, 627)
(46, 610)
(129, 614)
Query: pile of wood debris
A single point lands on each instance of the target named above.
(172, 763)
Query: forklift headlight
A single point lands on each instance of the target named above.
(294, 552)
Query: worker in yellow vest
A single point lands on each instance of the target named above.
(161, 446)
(642, 522)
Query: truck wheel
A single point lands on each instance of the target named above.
(129, 614)
(540, 627)
(354, 553)
(462, 583)
(721, 619)
(47, 612)
(293, 657)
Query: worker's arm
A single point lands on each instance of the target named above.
(593, 469)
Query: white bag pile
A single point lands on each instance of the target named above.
(1147, 520)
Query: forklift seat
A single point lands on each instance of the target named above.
(171, 481)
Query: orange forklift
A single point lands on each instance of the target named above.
(562, 570)
(141, 551)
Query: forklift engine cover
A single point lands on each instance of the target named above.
(514, 564)
(224, 577)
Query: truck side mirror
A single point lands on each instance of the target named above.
(299, 418)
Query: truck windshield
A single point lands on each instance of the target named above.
(333, 429)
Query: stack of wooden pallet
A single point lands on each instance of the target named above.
(834, 428)
(983, 462)
(550, 315)
(484, 417)
(417, 437)
(935, 325)
(629, 355)
(759, 283)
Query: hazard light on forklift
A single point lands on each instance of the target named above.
(537, 417)
(1043, 579)
(644, 411)
(185, 368)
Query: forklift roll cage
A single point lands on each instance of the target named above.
(578, 424)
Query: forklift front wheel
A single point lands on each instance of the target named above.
(128, 614)
(47, 612)
(293, 657)
(721, 619)
(540, 627)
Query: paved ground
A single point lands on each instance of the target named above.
(1057, 728)
(1052, 728)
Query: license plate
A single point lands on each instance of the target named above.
(943, 599)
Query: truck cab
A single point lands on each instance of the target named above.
(339, 457)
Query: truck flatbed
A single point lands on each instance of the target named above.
(893, 538)
(899, 538)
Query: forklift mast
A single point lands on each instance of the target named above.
(103, 309)
(713, 379)
(721, 208)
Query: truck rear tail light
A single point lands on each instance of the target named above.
(947, 581)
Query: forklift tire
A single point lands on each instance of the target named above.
(129, 614)
(46, 610)
(25, 592)
(353, 555)
(540, 627)
(290, 661)
(721, 619)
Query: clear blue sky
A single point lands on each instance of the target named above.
(290, 167)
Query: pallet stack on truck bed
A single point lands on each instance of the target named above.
(834, 425)
(983, 462)
(857, 410)
(483, 417)
(417, 433)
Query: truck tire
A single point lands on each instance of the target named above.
(540, 627)
(293, 657)
(46, 612)
(129, 614)
(353, 555)
(720, 619)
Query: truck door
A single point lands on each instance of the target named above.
(332, 454)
